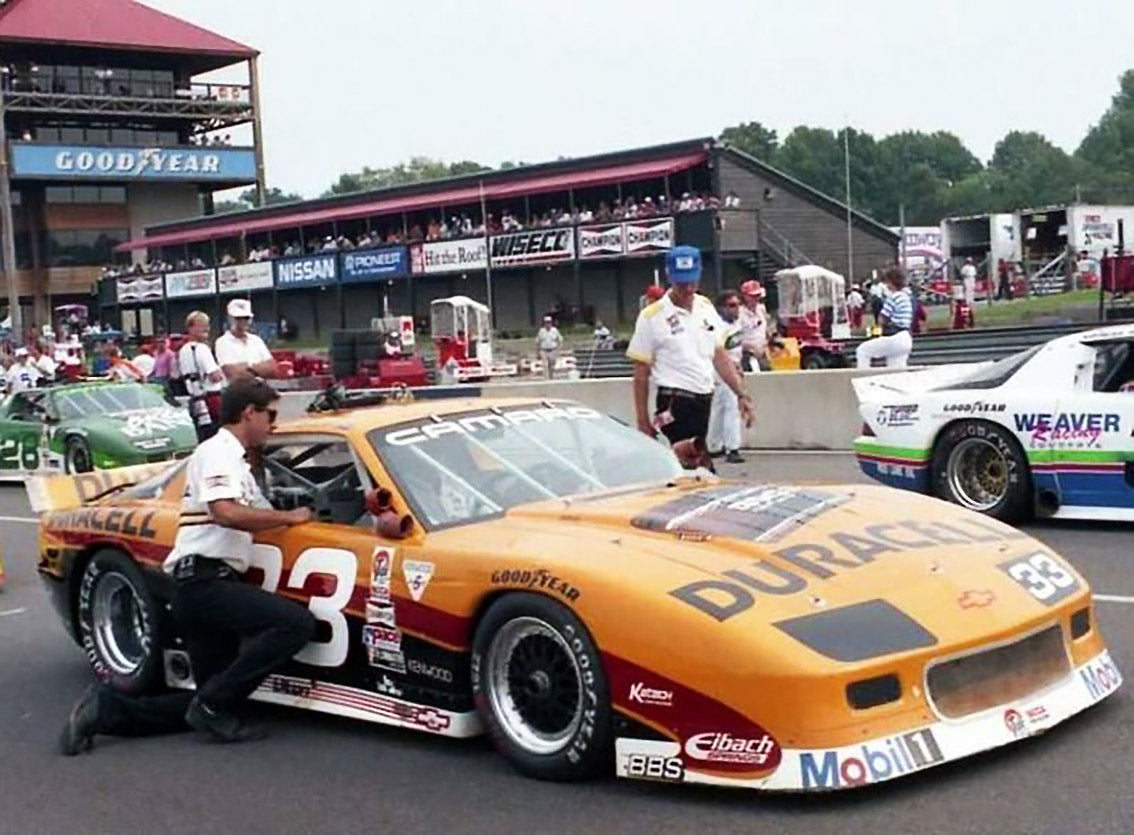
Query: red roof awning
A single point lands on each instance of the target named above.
(537, 184)
(114, 24)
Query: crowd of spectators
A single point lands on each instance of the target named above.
(457, 226)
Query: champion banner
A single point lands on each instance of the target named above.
(192, 283)
(644, 237)
(604, 241)
(533, 247)
(139, 288)
(244, 278)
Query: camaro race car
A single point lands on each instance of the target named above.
(1049, 430)
(79, 428)
(556, 579)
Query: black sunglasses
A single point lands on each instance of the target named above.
(272, 414)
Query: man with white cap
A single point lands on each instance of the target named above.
(548, 342)
(753, 321)
(23, 375)
(240, 352)
(679, 341)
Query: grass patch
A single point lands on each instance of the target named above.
(1078, 306)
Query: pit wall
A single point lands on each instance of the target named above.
(794, 410)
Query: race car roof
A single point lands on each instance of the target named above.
(374, 417)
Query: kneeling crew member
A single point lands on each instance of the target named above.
(680, 340)
(236, 634)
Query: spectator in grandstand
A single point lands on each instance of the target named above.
(292, 249)
(895, 343)
(240, 352)
(344, 243)
(197, 264)
(548, 342)
(329, 245)
(227, 260)
(724, 418)
(586, 215)
(602, 213)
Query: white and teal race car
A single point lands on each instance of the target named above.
(1048, 431)
(81, 427)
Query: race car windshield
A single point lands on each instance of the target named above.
(465, 467)
(995, 375)
(108, 400)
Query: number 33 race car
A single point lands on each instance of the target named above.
(1049, 430)
(554, 578)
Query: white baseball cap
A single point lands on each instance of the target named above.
(21, 352)
(240, 308)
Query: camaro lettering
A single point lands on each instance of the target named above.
(870, 763)
(539, 578)
(472, 424)
(737, 589)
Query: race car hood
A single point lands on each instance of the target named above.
(157, 429)
(887, 386)
(904, 568)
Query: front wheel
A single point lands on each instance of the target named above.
(77, 456)
(540, 688)
(979, 465)
(118, 623)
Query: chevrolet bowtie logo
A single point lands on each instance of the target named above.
(976, 598)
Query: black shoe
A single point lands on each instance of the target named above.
(82, 724)
(716, 454)
(221, 725)
(734, 457)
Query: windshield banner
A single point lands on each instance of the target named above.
(644, 237)
(192, 283)
(138, 288)
(243, 278)
(479, 422)
(606, 241)
(534, 246)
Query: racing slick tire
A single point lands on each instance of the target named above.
(77, 456)
(118, 623)
(539, 685)
(980, 466)
(813, 361)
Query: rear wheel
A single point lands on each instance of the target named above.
(540, 687)
(118, 623)
(979, 465)
(77, 456)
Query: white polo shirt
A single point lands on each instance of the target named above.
(216, 470)
(196, 359)
(678, 344)
(754, 325)
(250, 350)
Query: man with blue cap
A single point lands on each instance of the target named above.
(679, 340)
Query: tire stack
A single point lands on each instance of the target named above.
(344, 361)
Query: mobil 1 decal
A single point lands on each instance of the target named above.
(761, 513)
(795, 568)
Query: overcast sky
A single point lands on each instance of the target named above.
(347, 83)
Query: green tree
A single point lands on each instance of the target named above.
(754, 139)
(247, 200)
(416, 170)
(1106, 153)
(1026, 170)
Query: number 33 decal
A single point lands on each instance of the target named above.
(338, 563)
(1042, 577)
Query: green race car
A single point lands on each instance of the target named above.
(89, 426)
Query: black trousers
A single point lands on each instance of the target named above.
(690, 414)
(236, 635)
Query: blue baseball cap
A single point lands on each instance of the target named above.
(683, 265)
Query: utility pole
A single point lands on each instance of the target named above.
(850, 226)
(487, 255)
(8, 234)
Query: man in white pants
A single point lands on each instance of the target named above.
(895, 344)
(724, 419)
(968, 282)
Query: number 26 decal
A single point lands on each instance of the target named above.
(1042, 577)
(338, 563)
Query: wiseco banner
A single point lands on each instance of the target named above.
(532, 247)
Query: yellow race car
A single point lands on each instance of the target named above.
(539, 571)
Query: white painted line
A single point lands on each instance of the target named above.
(764, 451)
(12, 612)
(24, 519)
(1114, 598)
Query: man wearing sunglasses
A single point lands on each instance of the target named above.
(236, 634)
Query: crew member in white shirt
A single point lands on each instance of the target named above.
(724, 435)
(203, 377)
(679, 341)
(236, 633)
(753, 321)
(46, 365)
(144, 362)
(23, 375)
(548, 342)
(895, 343)
(240, 352)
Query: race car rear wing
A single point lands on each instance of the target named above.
(60, 492)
